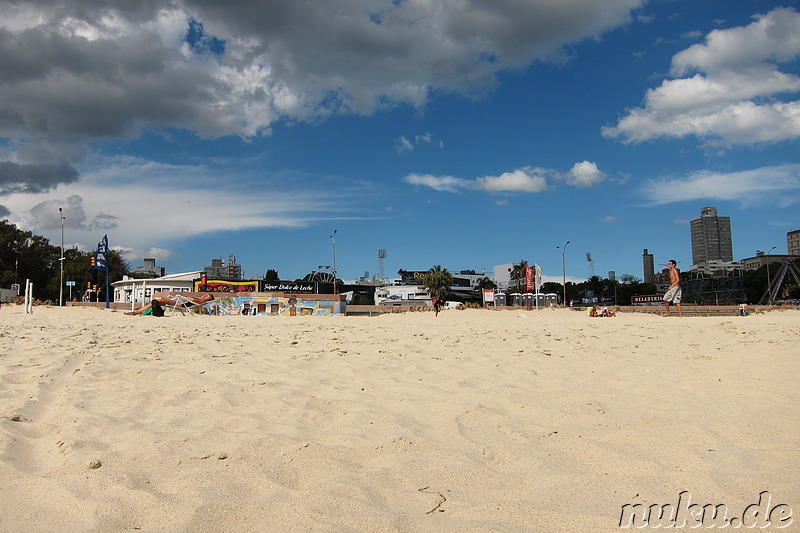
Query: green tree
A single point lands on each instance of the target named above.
(485, 283)
(551, 287)
(438, 281)
(271, 276)
(25, 256)
(628, 278)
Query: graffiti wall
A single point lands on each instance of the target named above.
(262, 304)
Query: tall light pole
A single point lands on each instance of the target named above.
(61, 260)
(333, 243)
(769, 288)
(564, 269)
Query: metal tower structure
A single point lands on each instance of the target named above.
(775, 285)
(381, 257)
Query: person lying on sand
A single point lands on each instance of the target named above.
(163, 302)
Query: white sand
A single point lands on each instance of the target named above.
(472, 421)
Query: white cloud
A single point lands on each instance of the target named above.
(609, 219)
(150, 204)
(584, 174)
(403, 145)
(131, 254)
(778, 185)
(734, 96)
(438, 183)
(520, 180)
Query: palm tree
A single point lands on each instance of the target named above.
(438, 281)
(485, 283)
(518, 274)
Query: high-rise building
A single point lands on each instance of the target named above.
(149, 268)
(218, 269)
(649, 267)
(793, 242)
(711, 237)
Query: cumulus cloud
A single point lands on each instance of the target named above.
(45, 215)
(521, 180)
(33, 178)
(73, 73)
(727, 90)
(779, 185)
(584, 174)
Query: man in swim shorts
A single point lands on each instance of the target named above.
(674, 292)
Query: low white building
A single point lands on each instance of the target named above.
(131, 290)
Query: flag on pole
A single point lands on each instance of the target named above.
(537, 277)
(101, 258)
(528, 278)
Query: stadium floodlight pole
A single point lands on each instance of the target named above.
(333, 243)
(564, 269)
(61, 259)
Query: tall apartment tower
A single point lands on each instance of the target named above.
(649, 267)
(234, 270)
(711, 237)
(793, 242)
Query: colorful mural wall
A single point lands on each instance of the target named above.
(266, 304)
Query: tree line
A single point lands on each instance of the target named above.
(25, 256)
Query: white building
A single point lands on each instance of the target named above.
(142, 290)
(502, 276)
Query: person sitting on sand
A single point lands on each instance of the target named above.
(163, 302)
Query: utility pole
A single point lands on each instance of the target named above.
(564, 270)
(61, 260)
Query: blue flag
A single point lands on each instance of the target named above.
(101, 258)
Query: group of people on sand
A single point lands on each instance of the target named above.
(157, 305)
(601, 312)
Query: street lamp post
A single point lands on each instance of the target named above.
(333, 243)
(61, 259)
(564, 270)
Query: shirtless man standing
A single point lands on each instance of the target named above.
(674, 292)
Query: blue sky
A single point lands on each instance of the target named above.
(460, 133)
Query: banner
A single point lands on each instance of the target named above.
(528, 278)
(538, 277)
(288, 286)
(101, 258)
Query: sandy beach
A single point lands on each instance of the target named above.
(472, 421)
